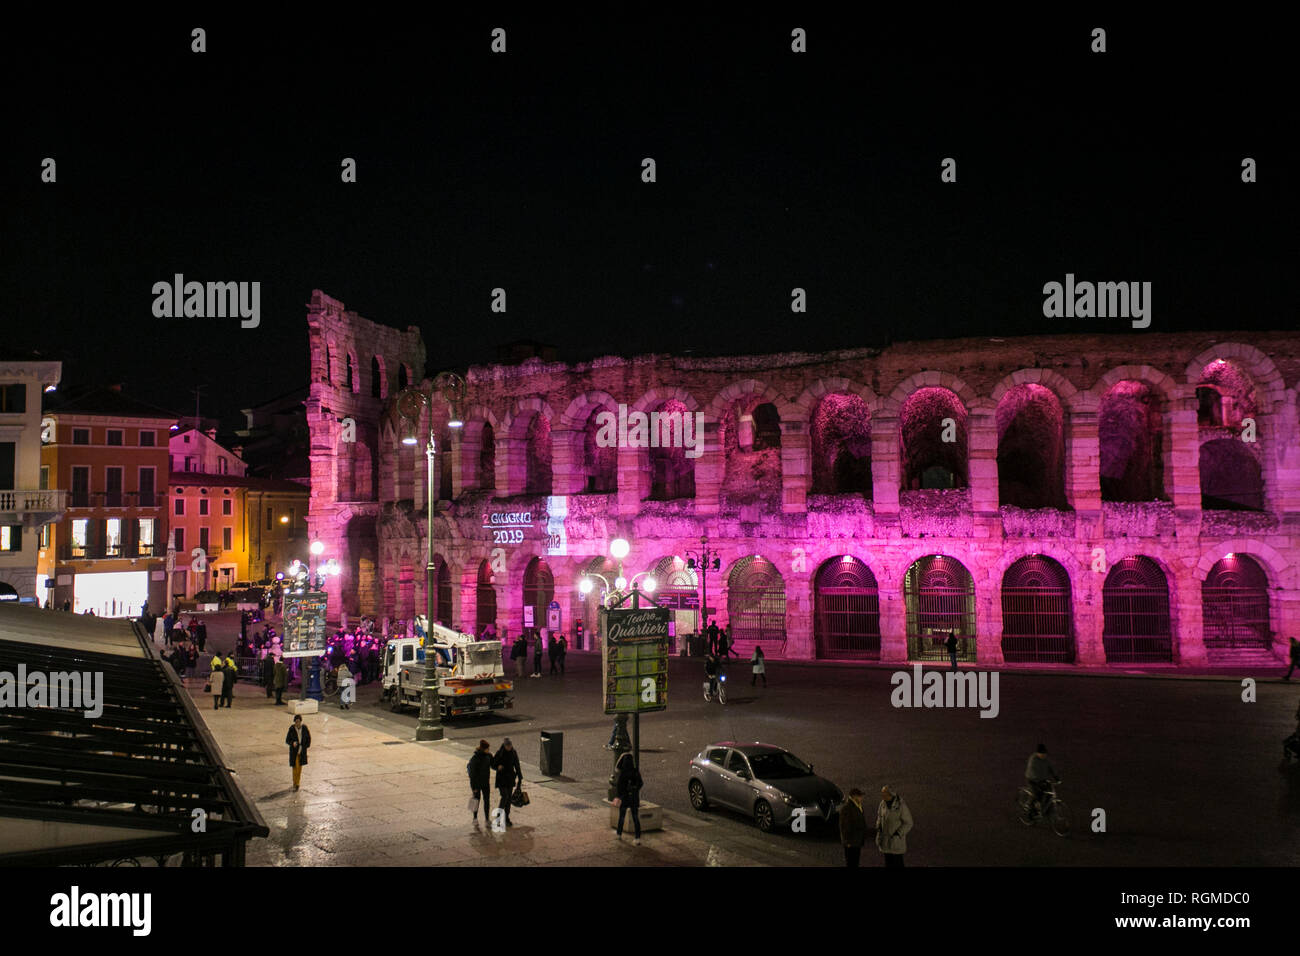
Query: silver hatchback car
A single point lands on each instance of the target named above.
(762, 781)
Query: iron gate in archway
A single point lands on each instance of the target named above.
(1036, 612)
(1135, 605)
(940, 597)
(1234, 605)
(755, 601)
(846, 620)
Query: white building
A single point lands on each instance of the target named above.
(198, 452)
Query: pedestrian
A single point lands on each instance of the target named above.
(519, 654)
(757, 661)
(537, 656)
(725, 648)
(202, 636)
(299, 739)
(712, 632)
(268, 675)
(553, 652)
(629, 797)
(281, 680)
(228, 685)
(1295, 658)
(480, 781)
(853, 828)
(215, 680)
(347, 688)
(951, 645)
(563, 652)
(893, 822)
(509, 775)
(192, 660)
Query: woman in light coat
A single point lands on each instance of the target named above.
(758, 661)
(217, 680)
(893, 821)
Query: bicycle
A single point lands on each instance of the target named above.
(329, 683)
(721, 692)
(1057, 813)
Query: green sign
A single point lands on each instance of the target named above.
(634, 651)
(304, 624)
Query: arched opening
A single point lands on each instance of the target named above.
(846, 620)
(1225, 395)
(1135, 604)
(539, 590)
(1132, 440)
(1230, 476)
(932, 434)
(1031, 448)
(487, 459)
(378, 387)
(599, 462)
(672, 474)
(756, 602)
(537, 455)
(350, 382)
(939, 595)
(403, 377)
(841, 445)
(1036, 612)
(751, 456)
(591, 602)
(1234, 605)
(441, 591)
(485, 600)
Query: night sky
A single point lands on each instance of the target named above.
(522, 171)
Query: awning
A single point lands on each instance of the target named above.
(79, 785)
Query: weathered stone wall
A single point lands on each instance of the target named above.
(755, 502)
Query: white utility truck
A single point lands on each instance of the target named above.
(470, 675)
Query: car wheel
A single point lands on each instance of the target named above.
(764, 817)
(698, 800)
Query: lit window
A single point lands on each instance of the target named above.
(146, 535)
(79, 526)
(113, 535)
(11, 537)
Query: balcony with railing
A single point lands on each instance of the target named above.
(32, 508)
(114, 499)
(110, 552)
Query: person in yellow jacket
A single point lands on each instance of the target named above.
(228, 685)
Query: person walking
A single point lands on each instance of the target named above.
(215, 680)
(268, 675)
(562, 653)
(712, 631)
(853, 828)
(537, 656)
(299, 739)
(629, 797)
(758, 662)
(725, 649)
(518, 651)
(201, 636)
(480, 780)
(347, 688)
(951, 645)
(509, 775)
(1295, 658)
(893, 823)
(281, 680)
(228, 685)
(553, 652)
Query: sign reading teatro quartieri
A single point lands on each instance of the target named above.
(634, 654)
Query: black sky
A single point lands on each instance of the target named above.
(522, 171)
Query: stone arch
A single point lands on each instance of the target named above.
(1231, 476)
(593, 468)
(840, 443)
(1067, 393)
(933, 378)
(1132, 436)
(751, 460)
(522, 413)
(806, 403)
(1267, 379)
(655, 397)
(1031, 451)
(1170, 391)
(671, 475)
(580, 409)
(478, 453)
(757, 393)
(926, 459)
(1281, 572)
(352, 378)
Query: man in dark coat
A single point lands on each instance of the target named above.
(280, 679)
(480, 779)
(712, 632)
(299, 739)
(629, 797)
(268, 674)
(228, 686)
(853, 828)
(506, 764)
(951, 645)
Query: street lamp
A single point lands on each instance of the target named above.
(702, 560)
(410, 402)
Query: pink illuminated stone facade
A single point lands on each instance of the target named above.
(1052, 499)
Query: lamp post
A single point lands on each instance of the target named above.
(410, 402)
(702, 559)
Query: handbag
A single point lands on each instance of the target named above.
(519, 798)
(207, 688)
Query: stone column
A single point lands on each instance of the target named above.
(634, 480)
(468, 447)
(710, 470)
(567, 476)
(988, 614)
(886, 470)
(796, 467)
(1188, 624)
(512, 466)
(1182, 454)
(1280, 436)
(1083, 456)
(893, 612)
(982, 450)
(1089, 622)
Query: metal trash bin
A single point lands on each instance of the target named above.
(552, 762)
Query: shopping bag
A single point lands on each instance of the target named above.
(473, 806)
(519, 798)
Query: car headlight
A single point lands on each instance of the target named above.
(788, 800)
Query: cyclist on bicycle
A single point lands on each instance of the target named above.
(1040, 775)
(711, 671)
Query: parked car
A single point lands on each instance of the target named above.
(764, 782)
